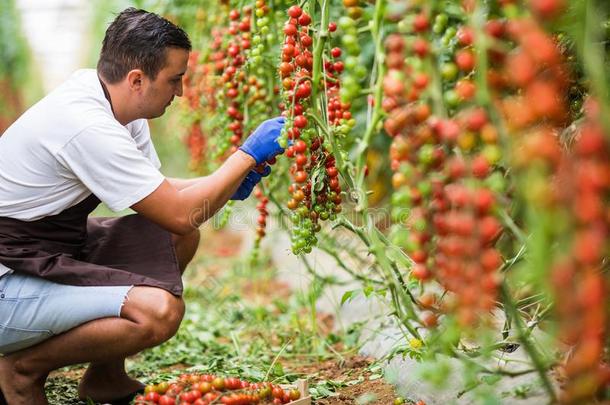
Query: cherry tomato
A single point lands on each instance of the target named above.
(300, 121)
(295, 11)
(294, 394)
(290, 29)
(218, 383)
(300, 146)
(166, 400)
(300, 176)
(332, 171)
(304, 19)
(277, 392)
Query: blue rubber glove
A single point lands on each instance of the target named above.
(247, 185)
(262, 143)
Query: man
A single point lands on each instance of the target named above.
(95, 290)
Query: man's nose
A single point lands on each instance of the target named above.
(179, 92)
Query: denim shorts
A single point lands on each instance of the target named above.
(33, 309)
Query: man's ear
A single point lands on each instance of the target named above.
(134, 79)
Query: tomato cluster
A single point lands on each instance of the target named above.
(204, 389)
(261, 221)
(583, 313)
(444, 178)
(196, 84)
(573, 186)
(355, 70)
(230, 58)
(477, 101)
(315, 193)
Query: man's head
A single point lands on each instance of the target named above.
(147, 55)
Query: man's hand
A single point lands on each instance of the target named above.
(262, 144)
(251, 180)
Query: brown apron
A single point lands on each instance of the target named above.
(70, 248)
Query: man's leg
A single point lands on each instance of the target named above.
(100, 374)
(149, 317)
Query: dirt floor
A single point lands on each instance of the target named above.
(349, 378)
(372, 392)
(353, 369)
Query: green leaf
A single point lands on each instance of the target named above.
(491, 379)
(324, 392)
(355, 382)
(278, 370)
(347, 296)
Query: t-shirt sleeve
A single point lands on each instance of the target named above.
(140, 132)
(107, 161)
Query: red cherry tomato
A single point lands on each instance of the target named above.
(166, 400)
(300, 146)
(290, 29)
(295, 11)
(277, 392)
(300, 176)
(304, 19)
(300, 121)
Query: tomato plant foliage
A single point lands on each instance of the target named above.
(479, 129)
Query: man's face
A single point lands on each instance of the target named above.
(159, 93)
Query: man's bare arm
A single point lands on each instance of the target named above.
(182, 210)
(181, 184)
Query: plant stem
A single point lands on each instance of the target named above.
(319, 50)
(377, 112)
(523, 337)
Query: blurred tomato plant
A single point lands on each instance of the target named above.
(492, 119)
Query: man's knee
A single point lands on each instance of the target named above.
(157, 312)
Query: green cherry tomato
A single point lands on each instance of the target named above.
(451, 98)
(425, 188)
(401, 199)
(349, 40)
(449, 71)
(441, 20)
(426, 154)
(346, 22)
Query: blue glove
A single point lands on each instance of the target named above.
(249, 182)
(262, 143)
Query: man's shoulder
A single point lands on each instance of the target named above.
(79, 102)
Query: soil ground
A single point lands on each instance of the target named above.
(351, 378)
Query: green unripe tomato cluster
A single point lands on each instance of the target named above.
(354, 70)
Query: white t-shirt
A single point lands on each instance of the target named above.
(69, 145)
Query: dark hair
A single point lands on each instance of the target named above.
(138, 39)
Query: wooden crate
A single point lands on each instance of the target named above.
(303, 387)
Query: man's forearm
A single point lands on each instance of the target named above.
(204, 196)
